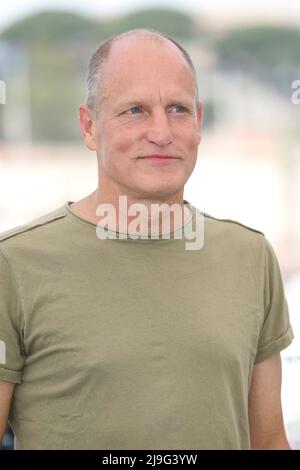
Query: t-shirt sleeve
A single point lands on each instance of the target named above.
(276, 331)
(11, 352)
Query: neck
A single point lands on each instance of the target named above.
(132, 213)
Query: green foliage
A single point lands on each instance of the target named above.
(58, 26)
(55, 90)
(172, 22)
(260, 47)
(51, 26)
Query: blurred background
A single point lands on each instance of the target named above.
(247, 56)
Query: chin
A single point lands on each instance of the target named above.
(159, 192)
(162, 185)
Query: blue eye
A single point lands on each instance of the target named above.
(134, 108)
(181, 107)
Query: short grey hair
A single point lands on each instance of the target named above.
(95, 73)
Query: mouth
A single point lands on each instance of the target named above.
(159, 158)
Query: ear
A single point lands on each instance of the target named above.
(199, 115)
(87, 122)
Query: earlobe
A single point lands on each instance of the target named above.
(199, 137)
(87, 126)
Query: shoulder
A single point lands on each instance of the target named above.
(232, 225)
(236, 244)
(33, 227)
(223, 233)
(233, 237)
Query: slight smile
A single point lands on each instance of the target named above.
(159, 158)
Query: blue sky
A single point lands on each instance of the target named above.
(13, 10)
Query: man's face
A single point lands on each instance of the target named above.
(147, 108)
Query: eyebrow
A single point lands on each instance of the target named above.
(138, 102)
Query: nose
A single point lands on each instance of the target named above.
(159, 131)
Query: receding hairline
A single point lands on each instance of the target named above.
(141, 33)
(99, 59)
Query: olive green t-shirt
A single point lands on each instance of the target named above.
(135, 343)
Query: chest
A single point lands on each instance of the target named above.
(133, 313)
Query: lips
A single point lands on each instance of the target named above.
(160, 156)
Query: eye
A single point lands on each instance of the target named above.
(181, 108)
(133, 110)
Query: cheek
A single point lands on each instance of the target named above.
(116, 149)
(189, 137)
(118, 141)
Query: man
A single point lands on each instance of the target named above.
(134, 342)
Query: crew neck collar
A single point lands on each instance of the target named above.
(119, 235)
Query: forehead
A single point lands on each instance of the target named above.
(144, 64)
